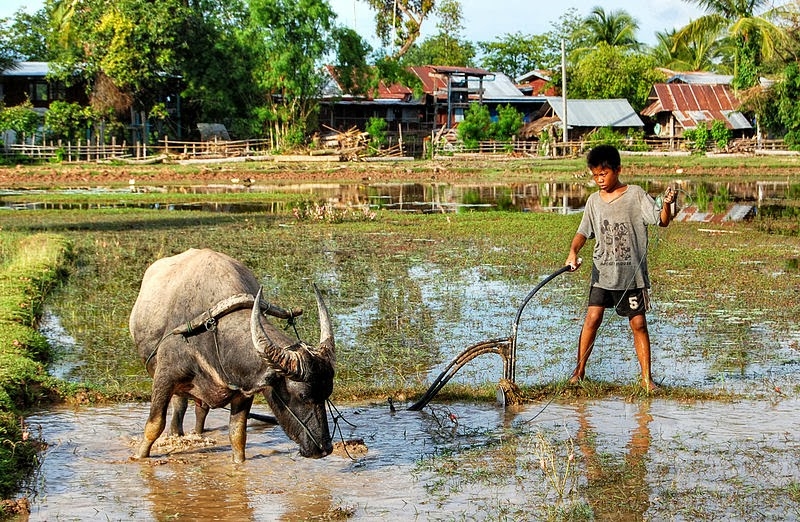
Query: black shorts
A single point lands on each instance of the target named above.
(627, 303)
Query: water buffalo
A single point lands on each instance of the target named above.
(197, 327)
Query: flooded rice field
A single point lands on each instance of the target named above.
(606, 459)
(561, 197)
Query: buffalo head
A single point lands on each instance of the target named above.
(302, 383)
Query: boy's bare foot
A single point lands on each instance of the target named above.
(575, 379)
(650, 386)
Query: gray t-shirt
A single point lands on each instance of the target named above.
(620, 227)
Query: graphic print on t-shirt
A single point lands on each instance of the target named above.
(616, 240)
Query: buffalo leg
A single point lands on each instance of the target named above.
(240, 408)
(157, 420)
(179, 405)
(200, 414)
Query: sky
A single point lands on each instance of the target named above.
(486, 21)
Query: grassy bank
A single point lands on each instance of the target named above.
(30, 265)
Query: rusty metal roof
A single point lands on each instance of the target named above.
(693, 97)
(691, 104)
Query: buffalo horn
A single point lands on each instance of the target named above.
(287, 361)
(326, 343)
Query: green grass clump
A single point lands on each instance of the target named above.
(30, 266)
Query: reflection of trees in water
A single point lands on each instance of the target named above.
(617, 489)
(400, 334)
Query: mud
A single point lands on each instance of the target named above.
(459, 461)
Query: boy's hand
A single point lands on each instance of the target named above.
(573, 263)
(669, 196)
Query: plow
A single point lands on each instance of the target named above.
(506, 347)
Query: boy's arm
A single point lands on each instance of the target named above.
(577, 243)
(666, 213)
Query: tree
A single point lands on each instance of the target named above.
(514, 54)
(703, 52)
(126, 51)
(24, 37)
(509, 122)
(398, 22)
(779, 106)
(752, 26)
(614, 72)
(447, 46)
(615, 28)
(292, 37)
(475, 126)
(356, 76)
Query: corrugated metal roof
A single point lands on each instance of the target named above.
(596, 113)
(499, 86)
(496, 86)
(692, 104)
(688, 97)
(32, 69)
(332, 88)
(701, 78)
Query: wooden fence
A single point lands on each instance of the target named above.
(70, 152)
(193, 150)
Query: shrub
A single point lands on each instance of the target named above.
(475, 127)
(376, 128)
(508, 124)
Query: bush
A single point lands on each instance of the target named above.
(475, 127)
(68, 121)
(721, 134)
(22, 119)
(697, 139)
(509, 122)
(376, 128)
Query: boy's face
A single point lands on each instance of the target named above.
(606, 177)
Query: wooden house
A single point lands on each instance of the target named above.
(676, 107)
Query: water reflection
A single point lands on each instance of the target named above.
(616, 488)
(658, 460)
(419, 197)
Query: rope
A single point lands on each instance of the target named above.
(301, 423)
(336, 418)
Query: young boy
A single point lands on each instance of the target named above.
(617, 216)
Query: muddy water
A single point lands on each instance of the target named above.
(662, 459)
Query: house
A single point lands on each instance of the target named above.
(29, 81)
(676, 107)
(536, 83)
(341, 110)
(447, 93)
(583, 117)
(451, 90)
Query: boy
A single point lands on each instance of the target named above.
(617, 216)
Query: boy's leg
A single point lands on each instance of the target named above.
(594, 317)
(641, 342)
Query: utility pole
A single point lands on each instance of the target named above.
(564, 91)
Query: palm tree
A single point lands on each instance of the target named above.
(751, 25)
(615, 28)
(703, 52)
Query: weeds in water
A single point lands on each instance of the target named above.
(559, 469)
(332, 214)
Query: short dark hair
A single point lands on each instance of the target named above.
(606, 156)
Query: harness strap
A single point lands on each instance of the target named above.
(207, 320)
